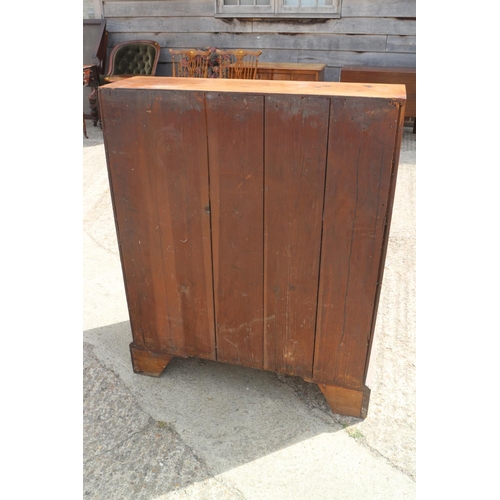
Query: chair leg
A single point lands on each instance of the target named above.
(85, 128)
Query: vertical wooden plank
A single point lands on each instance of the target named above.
(360, 161)
(296, 131)
(158, 167)
(235, 144)
(178, 146)
(385, 242)
(134, 211)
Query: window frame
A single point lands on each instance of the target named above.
(277, 10)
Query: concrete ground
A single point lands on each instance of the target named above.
(206, 430)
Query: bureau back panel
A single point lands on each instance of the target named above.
(253, 224)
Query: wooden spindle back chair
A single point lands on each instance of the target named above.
(190, 63)
(239, 63)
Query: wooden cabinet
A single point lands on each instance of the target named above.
(291, 71)
(252, 220)
(391, 75)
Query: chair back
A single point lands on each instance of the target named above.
(135, 57)
(239, 63)
(189, 63)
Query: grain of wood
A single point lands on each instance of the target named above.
(296, 151)
(235, 150)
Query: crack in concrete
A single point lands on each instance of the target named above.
(187, 450)
(99, 244)
(340, 420)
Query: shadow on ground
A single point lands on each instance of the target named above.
(231, 415)
(206, 430)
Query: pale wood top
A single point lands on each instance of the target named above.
(294, 66)
(379, 90)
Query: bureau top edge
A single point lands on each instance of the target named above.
(340, 89)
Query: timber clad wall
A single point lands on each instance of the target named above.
(369, 32)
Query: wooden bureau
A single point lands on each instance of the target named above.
(392, 75)
(291, 71)
(253, 220)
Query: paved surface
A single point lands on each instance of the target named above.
(206, 430)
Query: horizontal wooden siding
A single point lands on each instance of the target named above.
(369, 32)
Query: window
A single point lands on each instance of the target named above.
(278, 8)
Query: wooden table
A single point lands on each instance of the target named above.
(276, 268)
(290, 71)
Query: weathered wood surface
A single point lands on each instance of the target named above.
(405, 76)
(359, 176)
(169, 8)
(302, 42)
(371, 32)
(402, 44)
(148, 362)
(379, 8)
(337, 89)
(252, 220)
(296, 151)
(118, 8)
(347, 401)
(346, 26)
(333, 59)
(162, 181)
(235, 150)
(339, 48)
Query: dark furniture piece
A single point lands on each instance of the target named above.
(132, 58)
(291, 71)
(394, 75)
(90, 79)
(253, 220)
(95, 42)
(127, 59)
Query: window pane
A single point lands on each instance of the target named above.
(306, 3)
(247, 2)
(286, 3)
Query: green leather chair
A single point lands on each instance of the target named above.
(131, 58)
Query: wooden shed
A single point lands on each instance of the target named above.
(333, 32)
